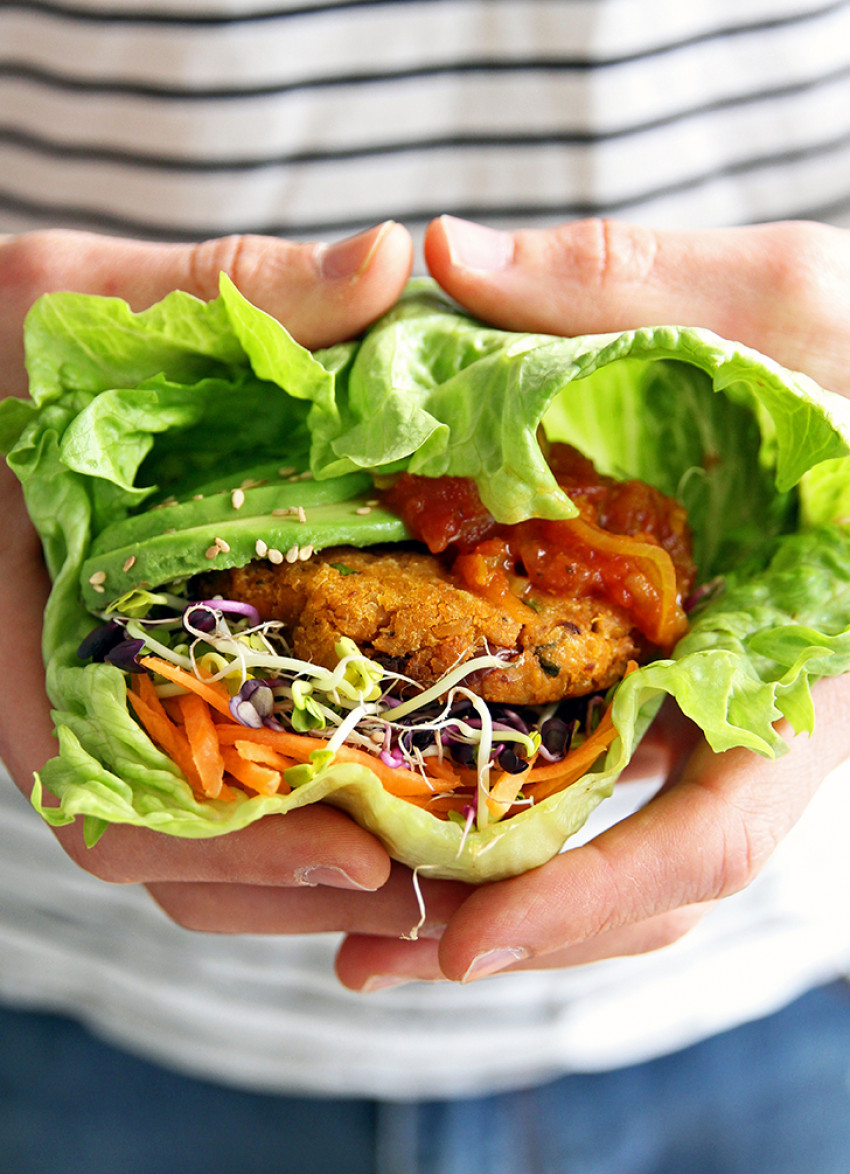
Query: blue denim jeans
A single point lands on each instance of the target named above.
(772, 1097)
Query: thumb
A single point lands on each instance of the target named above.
(322, 293)
(775, 287)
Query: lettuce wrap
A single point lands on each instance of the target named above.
(141, 427)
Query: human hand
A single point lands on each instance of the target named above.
(323, 294)
(783, 289)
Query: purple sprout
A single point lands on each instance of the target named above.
(252, 705)
(392, 758)
(101, 640)
(125, 656)
(464, 753)
(511, 762)
(556, 736)
(231, 607)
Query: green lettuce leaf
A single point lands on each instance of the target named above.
(175, 406)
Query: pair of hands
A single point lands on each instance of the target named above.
(784, 289)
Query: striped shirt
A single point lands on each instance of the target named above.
(183, 119)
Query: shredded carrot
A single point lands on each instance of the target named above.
(440, 804)
(203, 742)
(257, 752)
(299, 746)
(504, 791)
(213, 692)
(443, 769)
(578, 762)
(172, 740)
(171, 705)
(252, 774)
(396, 780)
(166, 734)
(542, 781)
(198, 732)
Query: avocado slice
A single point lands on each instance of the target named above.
(231, 527)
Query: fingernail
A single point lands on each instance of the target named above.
(329, 875)
(475, 246)
(493, 961)
(383, 982)
(351, 256)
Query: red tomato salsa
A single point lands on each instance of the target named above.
(630, 543)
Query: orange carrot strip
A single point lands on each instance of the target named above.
(172, 708)
(203, 742)
(543, 781)
(440, 805)
(505, 790)
(546, 780)
(147, 691)
(266, 755)
(443, 769)
(259, 778)
(397, 780)
(299, 746)
(213, 692)
(169, 738)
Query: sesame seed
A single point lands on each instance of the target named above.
(305, 552)
(286, 471)
(363, 510)
(222, 545)
(306, 476)
(212, 552)
(129, 563)
(250, 483)
(99, 588)
(373, 501)
(261, 548)
(237, 498)
(274, 556)
(302, 516)
(292, 554)
(197, 497)
(97, 577)
(281, 512)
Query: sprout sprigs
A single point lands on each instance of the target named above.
(126, 656)
(358, 702)
(253, 705)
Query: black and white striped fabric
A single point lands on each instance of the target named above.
(187, 118)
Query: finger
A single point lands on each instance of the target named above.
(367, 964)
(774, 287)
(393, 910)
(313, 845)
(664, 748)
(322, 292)
(307, 846)
(702, 839)
(24, 585)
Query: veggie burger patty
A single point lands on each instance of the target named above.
(403, 610)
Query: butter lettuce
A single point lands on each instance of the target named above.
(173, 407)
